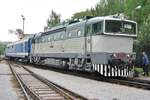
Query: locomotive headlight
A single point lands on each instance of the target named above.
(114, 55)
(128, 55)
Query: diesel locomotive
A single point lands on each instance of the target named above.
(101, 44)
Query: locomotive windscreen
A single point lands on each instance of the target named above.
(120, 27)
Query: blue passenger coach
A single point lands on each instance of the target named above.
(19, 49)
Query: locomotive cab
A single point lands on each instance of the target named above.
(109, 41)
(110, 37)
(123, 29)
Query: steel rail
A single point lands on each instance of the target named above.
(54, 87)
(57, 87)
(20, 83)
(131, 82)
(145, 84)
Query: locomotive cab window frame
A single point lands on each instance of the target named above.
(94, 28)
(120, 27)
(97, 28)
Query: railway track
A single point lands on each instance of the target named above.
(36, 87)
(132, 82)
(144, 84)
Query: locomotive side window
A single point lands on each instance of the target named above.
(97, 28)
(113, 26)
(73, 33)
(88, 30)
(79, 33)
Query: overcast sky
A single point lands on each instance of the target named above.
(36, 13)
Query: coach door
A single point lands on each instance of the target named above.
(88, 39)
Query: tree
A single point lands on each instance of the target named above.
(143, 42)
(82, 14)
(53, 20)
(2, 48)
(17, 32)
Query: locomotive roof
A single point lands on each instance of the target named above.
(80, 23)
(109, 18)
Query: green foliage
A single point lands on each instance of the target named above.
(54, 19)
(81, 15)
(2, 48)
(103, 8)
(144, 37)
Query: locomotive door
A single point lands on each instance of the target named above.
(88, 39)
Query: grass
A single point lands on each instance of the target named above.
(140, 70)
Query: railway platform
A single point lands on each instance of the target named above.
(8, 87)
(93, 89)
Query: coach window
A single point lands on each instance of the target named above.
(62, 35)
(97, 28)
(58, 36)
(46, 38)
(34, 40)
(54, 37)
(49, 38)
(40, 40)
(37, 40)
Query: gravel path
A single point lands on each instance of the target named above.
(94, 89)
(7, 86)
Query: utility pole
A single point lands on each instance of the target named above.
(23, 19)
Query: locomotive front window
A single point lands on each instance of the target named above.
(121, 27)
